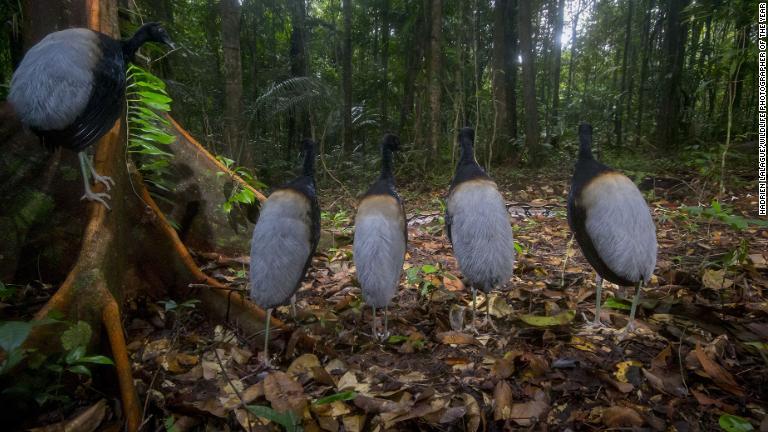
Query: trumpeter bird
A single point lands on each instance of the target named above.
(69, 89)
(612, 224)
(380, 237)
(477, 224)
(284, 240)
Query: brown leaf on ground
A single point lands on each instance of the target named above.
(706, 401)
(284, 393)
(377, 405)
(456, 338)
(502, 401)
(528, 413)
(86, 421)
(720, 376)
(619, 416)
(474, 415)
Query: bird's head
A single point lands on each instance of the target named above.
(391, 142)
(467, 133)
(156, 33)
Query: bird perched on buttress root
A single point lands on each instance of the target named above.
(69, 89)
(612, 224)
(381, 236)
(477, 224)
(284, 240)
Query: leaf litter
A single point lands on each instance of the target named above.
(701, 352)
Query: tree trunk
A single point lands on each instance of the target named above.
(233, 80)
(529, 81)
(511, 68)
(414, 51)
(646, 43)
(557, 64)
(668, 111)
(572, 59)
(435, 83)
(384, 84)
(499, 79)
(298, 120)
(346, 76)
(624, 81)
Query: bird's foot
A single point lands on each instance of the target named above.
(105, 180)
(488, 322)
(382, 337)
(595, 325)
(96, 196)
(628, 331)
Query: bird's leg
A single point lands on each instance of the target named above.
(630, 328)
(474, 308)
(488, 318)
(98, 178)
(89, 194)
(598, 303)
(373, 323)
(386, 330)
(293, 307)
(267, 363)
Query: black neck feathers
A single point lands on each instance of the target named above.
(585, 141)
(308, 169)
(149, 32)
(467, 143)
(389, 144)
(468, 168)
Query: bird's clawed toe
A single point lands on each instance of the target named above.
(105, 180)
(97, 196)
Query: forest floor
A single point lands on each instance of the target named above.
(699, 355)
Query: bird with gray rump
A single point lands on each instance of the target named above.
(477, 224)
(69, 90)
(284, 240)
(612, 224)
(380, 237)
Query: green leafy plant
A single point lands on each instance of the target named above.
(732, 423)
(239, 195)
(147, 128)
(343, 396)
(288, 420)
(41, 378)
(424, 277)
(723, 213)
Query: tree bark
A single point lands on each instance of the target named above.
(511, 68)
(298, 119)
(556, 67)
(646, 43)
(624, 82)
(346, 76)
(572, 60)
(414, 52)
(435, 83)
(668, 111)
(232, 72)
(529, 81)
(384, 84)
(499, 79)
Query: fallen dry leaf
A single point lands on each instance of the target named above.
(284, 393)
(715, 279)
(720, 376)
(456, 338)
(502, 401)
(619, 416)
(528, 413)
(86, 421)
(303, 365)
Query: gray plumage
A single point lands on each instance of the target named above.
(481, 233)
(53, 82)
(379, 248)
(620, 226)
(280, 248)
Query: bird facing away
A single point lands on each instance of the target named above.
(284, 239)
(69, 90)
(381, 236)
(612, 224)
(478, 227)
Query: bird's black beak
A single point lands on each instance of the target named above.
(170, 43)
